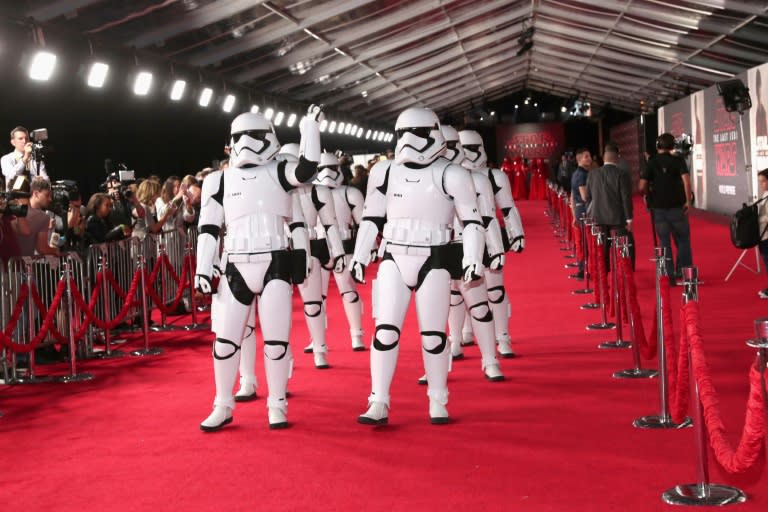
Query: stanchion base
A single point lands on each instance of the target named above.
(194, 327)
(614, 344)
(572, 264)
(582, 291)
(79, 377)
(703, 494)
(590, 305)
(26, 379)
(160, 328)
(154, 351)
(601, 326)
(112, 354)
(657, 422)
(569, 256)
(636, 373)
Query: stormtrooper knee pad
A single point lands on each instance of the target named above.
(386, 338)
(275, 350)
(496, 294)
(313, 308)
(456, 298)
(434, 342)
(350, 297)
(481, 312)
(224, 349)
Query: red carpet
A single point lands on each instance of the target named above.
(556, 436)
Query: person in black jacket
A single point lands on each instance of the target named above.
(99, 228)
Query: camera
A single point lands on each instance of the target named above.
(62, 193)
(683, 145)
(38, 137)
(8, 206)
(125, 177)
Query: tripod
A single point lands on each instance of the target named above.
(750, 198)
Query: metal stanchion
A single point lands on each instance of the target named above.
(703, 492)
(663, 419)
(584, 224)
(31, 377)
(146, 351)
(108, 353)
(161, 251)
(74, 376)
(637, 372)
(604, 324)
(619, 342)
(189, 254)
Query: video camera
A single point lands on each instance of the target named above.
(38, 137)
(683, 145)
(124, 176)
(62, 193)
(8, 206)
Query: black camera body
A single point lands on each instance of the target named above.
(9, 207)
(62, 193)
(38, 149)
(125, 177)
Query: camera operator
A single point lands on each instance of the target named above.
(13, 221)
(667, 181)
(124, 202)
(20, 161)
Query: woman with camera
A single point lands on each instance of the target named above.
(148, 193)
(99, 227)
(172, 198)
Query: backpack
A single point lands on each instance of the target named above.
(745, 226)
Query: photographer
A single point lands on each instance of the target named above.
(124, 201)
(99, 227)
(20, 161)
(13, 221)
(38, 241)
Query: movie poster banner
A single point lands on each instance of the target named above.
(531, 140)
(757, 81)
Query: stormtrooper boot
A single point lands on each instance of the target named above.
(321, 362)
(493, 372)
(247, 391)
(505, 347)
(375, 415)
(357, 341)
(438, 413)
(277, 418)
(309, 348)
(220, 416)
(456, 351)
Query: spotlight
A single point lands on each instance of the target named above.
(142, 84)
(735, 95)
(98, 74)
(517, 106)
(359, 132)
(368, 135)
(205, 97)
(255, 109)
(42, 66)
(279, 118)
(527, 100)
(229, 103)
(375, 135)
(348, 129)
(291, 121)
(177, 91)
(381, 137)
(269, 113)
(341, 127)
(563, 109)
(332, 127)
(323, 125)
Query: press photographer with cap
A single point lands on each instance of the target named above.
(20, 161)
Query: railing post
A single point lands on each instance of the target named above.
(703, 492)
(146, 351)
(662, 420)
(74, 376)
(619, 342)
(604, 324)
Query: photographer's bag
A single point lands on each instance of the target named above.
(745, 226)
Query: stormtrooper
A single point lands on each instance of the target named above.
(252, 201)
(327, 254)
(472, 297)
(348, 202)
(412, 201)
(475, 159)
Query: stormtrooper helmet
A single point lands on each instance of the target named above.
(289, 152)
(253, 140)
(328, 171)
(419, 139)
(474, 152)
(453, 149)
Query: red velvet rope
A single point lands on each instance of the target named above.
(114, 284)
(579, 243)
(592, 261)
(601, 274)
(747, 452)
(44, 328)
(648, 345)
(111, 324)
(41, 308)
(183, 282)
(17, 309)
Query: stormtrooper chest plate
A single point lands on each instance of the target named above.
(418, 193)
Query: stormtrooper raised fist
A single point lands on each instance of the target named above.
(315, 112)
(357, 270)
(203, 284)
(339, 265)
(518, 244)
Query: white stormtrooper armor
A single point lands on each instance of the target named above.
(472, 297)
(252, 201)
(348, 202)
(412, 200)
(475, 160)
(317, 207)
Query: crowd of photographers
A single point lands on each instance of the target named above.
(44, 217)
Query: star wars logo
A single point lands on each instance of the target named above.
(532, 145)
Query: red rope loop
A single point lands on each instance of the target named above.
(113, 283)
(44, 328)
(108, 324)
(746, 454)
(648, 345)
(184, 282)
(41, 308)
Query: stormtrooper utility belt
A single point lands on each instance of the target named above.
(439, 256)
(288, 265)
